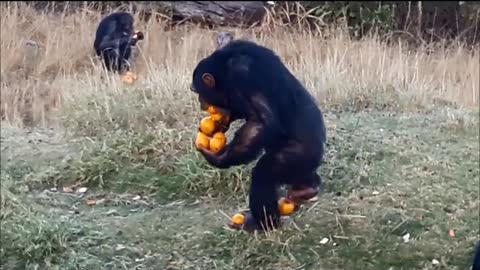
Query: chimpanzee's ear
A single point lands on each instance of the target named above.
(208, 80)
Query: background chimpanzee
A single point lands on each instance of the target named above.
(114, 40)
(281, 118)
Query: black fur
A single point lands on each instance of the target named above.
(282, 119)
(476, 257)
(114, 39)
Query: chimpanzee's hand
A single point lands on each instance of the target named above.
(212, 157)
(138, 35)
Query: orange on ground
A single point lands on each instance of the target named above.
(218, 142)
(238, 219)
(207, 126)
(202, 141)
(129, 77)
(286, 206)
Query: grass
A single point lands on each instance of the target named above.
(402, 156)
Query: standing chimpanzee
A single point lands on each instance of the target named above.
(476, 257)
(282, 118)
(114, 40)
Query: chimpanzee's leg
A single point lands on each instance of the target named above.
(292, 165)
(263, 195)
(111, 59)
(300, 164)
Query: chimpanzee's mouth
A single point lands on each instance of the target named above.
(192, 88)
(203, 104)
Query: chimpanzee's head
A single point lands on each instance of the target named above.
(207, 81)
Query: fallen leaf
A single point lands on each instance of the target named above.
(112, 212)
(100, 201)
(195, 202)
(451, 233)
(67, 189)
(324, 241)
(406, 238)
(91, 202)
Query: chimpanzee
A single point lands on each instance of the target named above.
(114, 40)
(281, 117)
(476, 257)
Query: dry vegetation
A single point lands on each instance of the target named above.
(336, 69)
(402, 154)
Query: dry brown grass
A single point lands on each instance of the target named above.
(35, 80)
(397, 156)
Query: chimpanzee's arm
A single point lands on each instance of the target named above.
(117, 43)
(250, 139)
(244, 148)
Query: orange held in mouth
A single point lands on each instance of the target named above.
(212, 110)
(216, 117)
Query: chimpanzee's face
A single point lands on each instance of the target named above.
(207, 86)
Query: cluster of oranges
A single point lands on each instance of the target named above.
(210, 135)
(285, 206)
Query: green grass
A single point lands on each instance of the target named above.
(386, 174)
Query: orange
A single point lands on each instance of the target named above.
(238, 219)
(207, 126)
(212, 110)
(129, 77)
(202, 141)
(220, 136)
(286, 206)
(218, 114)
(218, 142)
(216, 117)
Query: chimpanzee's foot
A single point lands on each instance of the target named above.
(301, 194)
